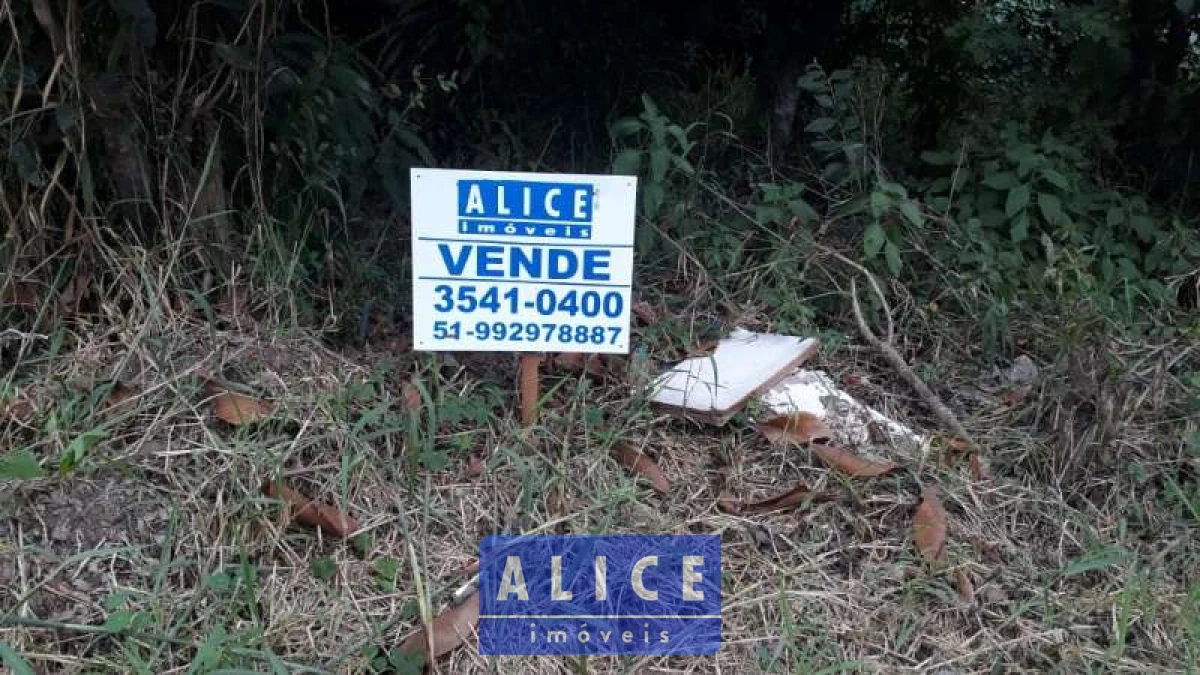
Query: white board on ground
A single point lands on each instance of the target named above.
(522, 262)
(715, 387)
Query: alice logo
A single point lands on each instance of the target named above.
(512, 581)
(600, 594)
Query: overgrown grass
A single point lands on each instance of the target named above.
(136, 538)
(157, 550)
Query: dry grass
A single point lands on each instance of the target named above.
(163, 516)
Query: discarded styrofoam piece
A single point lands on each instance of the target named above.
(813, 391)
(714, 387)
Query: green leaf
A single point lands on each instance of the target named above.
(820, 125)
(1001, 180)
(1020, 228)
(804, 212)
(768, 215)
(220, 581)
(912, 212)
(20, 465)
(1018, 199)
(1056, 179)
(79, 447)
(880, 203)
(323, 568)
(1116, 216)
(15, 662)
(1098, 560)
(414, 143)
(1185, 6)
(387, 568)
(685, 146)
(824, 101)
(873, 239)
(628, 162)
(939, 158)
(407, 663)
(1144, 227)
(652, 199)
(1051, 207)
(683, 165)
(648, 106)
(434, 460)
(892, 252)
(119, 621)
(660, 159)
(237, 57)
(626, 126)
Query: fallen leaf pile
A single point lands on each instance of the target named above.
(577, 362)
(806, 429)
(929, 527)
(447, 630)
(639, 463)
(797, 495)
(238, 409)
(311, 513)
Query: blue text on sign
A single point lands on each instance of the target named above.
(525, 208)
(623, 594)
(525, 200)
(485, 261)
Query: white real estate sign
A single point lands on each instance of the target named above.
(522, 262)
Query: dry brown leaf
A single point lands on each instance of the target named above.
(644, 311)
(20, 294)
(962, 582)
(238, 409)
(639, 463)
(119, 394)
(852, 380)
(410, 396)
(578, 362)
(703, 348)
(474, 466)
(801, 428)
(851, 464)
(470, 569)
(236, 300)
(19, 411)
(313, 514)
(977, 472)
(796, 495)
(75, 291)
(730, 504)
(1014, 397)
(530, 387)
(929, 527)
(958, 445)
(449, 630)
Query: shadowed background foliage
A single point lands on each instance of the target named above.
(284, 130)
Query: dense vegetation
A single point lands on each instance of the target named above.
(1028, 147)
(1021, 176)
